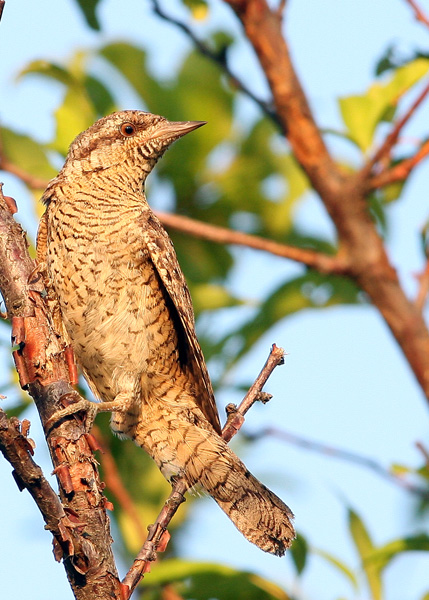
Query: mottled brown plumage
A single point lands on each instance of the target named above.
(127, 312)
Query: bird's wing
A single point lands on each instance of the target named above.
(164, 258)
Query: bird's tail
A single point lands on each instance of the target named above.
(254, 509)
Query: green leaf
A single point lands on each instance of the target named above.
(130, 61)
(206, 296)
(48, 69)
(75, 114)
(299, 553)
(312, 290)
(26, 153)
(198, 8)
(201, 581)
(380, 557)
(339, 565)
(88, 8)
(365, 547)
(361, 114)
(99, 96)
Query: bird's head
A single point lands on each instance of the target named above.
(131, 138)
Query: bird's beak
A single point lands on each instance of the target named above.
(173, 130)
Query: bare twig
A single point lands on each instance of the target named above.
(158, 536)
(346, 455)
(419, 14)
(218, 58)
(401, 170)
(392, 137)
(222, 235)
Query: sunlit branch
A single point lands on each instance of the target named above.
(392, 137)
(222, 235)
(401, 170)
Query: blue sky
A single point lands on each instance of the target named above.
(344, 383)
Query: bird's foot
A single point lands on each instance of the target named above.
(90, 408)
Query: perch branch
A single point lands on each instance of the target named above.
(158, 535)
(45, 369)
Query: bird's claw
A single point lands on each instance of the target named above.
(83, 405)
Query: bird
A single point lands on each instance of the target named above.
(125, 308)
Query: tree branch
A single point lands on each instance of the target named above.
(401, 170)
(158, 537)
(343, 194)
(392, 137)
(45, 370)
(418, 13)
(18, 450)
(222, 235)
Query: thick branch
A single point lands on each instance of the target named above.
(343, 195)
(158, 535)
(44, 368)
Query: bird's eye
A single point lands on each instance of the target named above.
(128, 129)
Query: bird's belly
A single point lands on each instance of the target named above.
(117, 320)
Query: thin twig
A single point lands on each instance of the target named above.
(401, 170)
(346, 455)
(218, 58)
(420, 16)
(392, 137)
(158, 535)
(222, 235)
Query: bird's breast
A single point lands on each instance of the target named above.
(113, 305)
